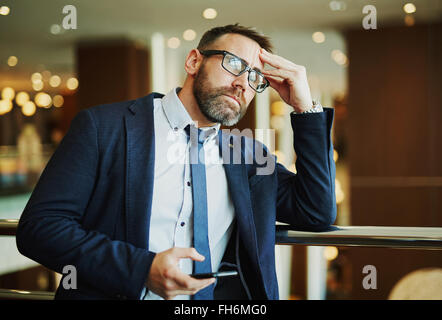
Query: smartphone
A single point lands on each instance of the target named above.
(215, 274)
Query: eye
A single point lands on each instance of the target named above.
(235, 63)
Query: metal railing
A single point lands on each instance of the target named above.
(10, 294)
(426, 238)
(8, 227)
(386, 237)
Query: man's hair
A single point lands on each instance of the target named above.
(209, 37)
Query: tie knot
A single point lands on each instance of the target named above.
(195, 133)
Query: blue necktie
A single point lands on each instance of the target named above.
(200, 220)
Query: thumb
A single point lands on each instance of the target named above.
(188, 253)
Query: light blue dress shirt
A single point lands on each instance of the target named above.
(171, 220)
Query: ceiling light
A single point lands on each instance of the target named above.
(54, 81)
(8, 93)
(28, 108)
(189, 35)
(42, 99)
(4, 10)
(21, 98)
(409, 8)
(337, 5)
(55, 29)
(36, 77)
(173, 43)
(38, 85)
(5, 106)
(209, 13)
(12, 61)
(339, 57)
(72, 83)
(58, 101)
(318, 37)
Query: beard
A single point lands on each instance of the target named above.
(213, 102)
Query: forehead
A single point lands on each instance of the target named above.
(241, 46)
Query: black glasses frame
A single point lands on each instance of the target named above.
(209, 53)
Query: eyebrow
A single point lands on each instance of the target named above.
(257, 69)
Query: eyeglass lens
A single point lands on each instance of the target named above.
(236, 66)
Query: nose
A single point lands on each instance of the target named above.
(241, 81)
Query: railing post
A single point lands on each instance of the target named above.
(316, 273)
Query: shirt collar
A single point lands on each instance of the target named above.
(179, 118)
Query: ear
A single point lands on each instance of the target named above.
(193, 62)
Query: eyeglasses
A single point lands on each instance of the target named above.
(237, 66)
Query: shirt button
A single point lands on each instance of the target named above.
(183, 224)
(175, 129)
(188, 183)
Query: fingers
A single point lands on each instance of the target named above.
(284, 68)
(167, 280)
(288, 79)
(277, 61)
(298, 72)
(186, 282)
(278, 73)
(179, 283)
(172, 294)
(187, 253)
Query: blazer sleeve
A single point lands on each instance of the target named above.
(50, 230)
(306, 200)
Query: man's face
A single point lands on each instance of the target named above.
(216, 90)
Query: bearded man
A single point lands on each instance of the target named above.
(143, 196)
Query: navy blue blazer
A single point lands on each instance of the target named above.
(91, 206)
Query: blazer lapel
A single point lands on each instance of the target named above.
(238, 183)
(140, 165)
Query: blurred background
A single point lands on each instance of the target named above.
(380, 69)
